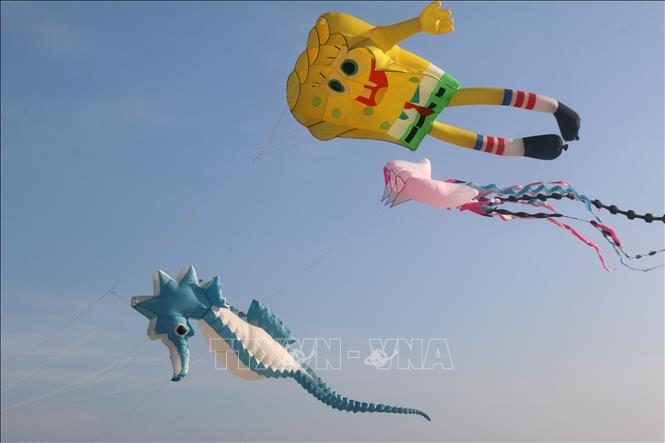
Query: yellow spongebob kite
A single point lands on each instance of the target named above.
(354, 81)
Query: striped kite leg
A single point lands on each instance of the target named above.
(567, 119)
(544, 147)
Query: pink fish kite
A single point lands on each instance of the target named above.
(413, 181)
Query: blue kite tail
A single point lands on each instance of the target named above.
(315, 386)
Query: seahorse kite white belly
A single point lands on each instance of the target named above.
(253, 346)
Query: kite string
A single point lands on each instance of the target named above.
(119, 390)
(278, 139)
(53, 335)
(49, 360)
(77, 316)
(134, 408)
(62, 389)
(118, 363)
(325, 253)
(137, 405)
(120, 369)
(263, 149)
(113, 367)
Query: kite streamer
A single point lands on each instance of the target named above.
(406, 181)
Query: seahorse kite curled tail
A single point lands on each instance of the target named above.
(253, 345)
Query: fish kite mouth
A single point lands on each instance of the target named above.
(377, 81)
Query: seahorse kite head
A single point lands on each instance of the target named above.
(174, 302)
(352, 81)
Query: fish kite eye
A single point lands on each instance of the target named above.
(181, 330)
(336, 85)
(349, 67)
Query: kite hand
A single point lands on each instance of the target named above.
(436, 21)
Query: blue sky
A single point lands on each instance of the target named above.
(127, 135)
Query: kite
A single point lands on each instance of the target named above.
(354, 81)
(254, 345)
(406, 181)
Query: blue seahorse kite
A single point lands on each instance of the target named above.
(255, 345)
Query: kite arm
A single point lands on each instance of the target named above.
(431, 20)
(385, 37)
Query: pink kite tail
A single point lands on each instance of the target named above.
(474, 207)
(607, 230)
(582, 239)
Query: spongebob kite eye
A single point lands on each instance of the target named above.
(181, 330)
(336, 85)
(349, 67)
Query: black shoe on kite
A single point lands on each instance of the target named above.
(569, 122)
(543, 147)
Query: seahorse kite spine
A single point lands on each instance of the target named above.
(253, 345)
